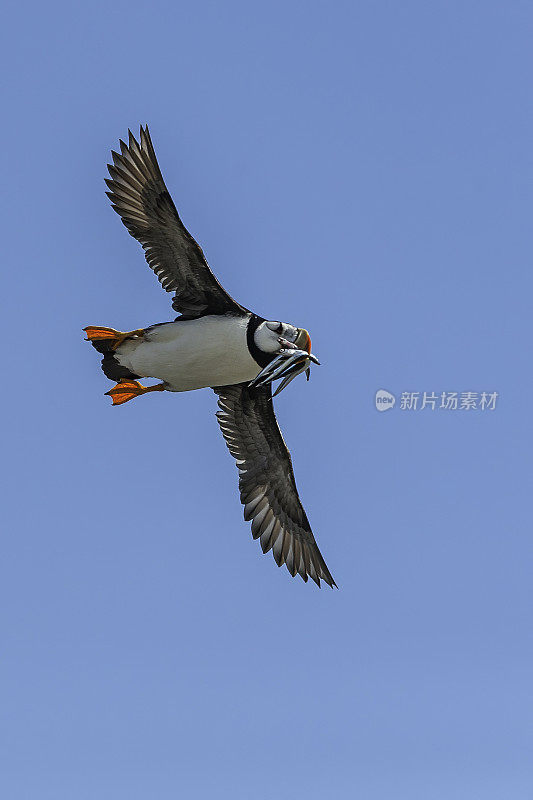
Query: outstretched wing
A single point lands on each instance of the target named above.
(266, 480)
(139, 195)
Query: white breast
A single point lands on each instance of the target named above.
(192, 354)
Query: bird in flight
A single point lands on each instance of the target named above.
(217, 343)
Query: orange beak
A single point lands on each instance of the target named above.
(303, 340)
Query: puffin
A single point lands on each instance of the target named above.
(214, 342)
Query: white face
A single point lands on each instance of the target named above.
(270, 336)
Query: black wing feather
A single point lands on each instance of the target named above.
(266, 480)
(139, 195)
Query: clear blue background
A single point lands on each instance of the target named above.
(362, 169)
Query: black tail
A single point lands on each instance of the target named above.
(113, 370)
(110, 366)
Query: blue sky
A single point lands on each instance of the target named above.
(360, 169)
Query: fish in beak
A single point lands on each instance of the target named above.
(292, 360)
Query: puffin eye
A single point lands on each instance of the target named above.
(277, 327)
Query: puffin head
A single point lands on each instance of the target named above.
(274, 337)
(290, 348)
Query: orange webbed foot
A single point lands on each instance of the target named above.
(128, 389)
(96, 333)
